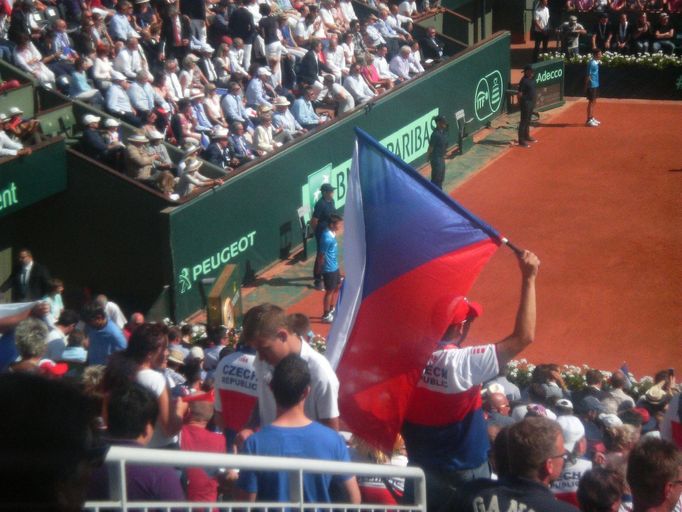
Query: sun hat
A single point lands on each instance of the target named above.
(219, 133)
(281, 101)
(138, 138)
(176, 356)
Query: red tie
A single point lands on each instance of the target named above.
(177, 29)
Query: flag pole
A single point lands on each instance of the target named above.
(517, 251)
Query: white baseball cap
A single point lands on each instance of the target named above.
(89, 119)
(572, 429)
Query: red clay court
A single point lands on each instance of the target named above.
(602, 208)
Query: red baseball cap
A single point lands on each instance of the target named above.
(465, 310)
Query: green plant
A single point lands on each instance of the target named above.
(614, 60)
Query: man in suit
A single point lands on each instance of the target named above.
(311, 67)
(241, 25)
(431, 47)
(175, 34)
(218, 151)
(94, 145)
(28, 280)
(240, 147)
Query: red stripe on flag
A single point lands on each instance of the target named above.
(237, 408)
(396, 329)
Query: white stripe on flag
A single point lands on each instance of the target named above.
(354, 255)
(16, 308)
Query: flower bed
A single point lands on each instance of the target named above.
(643, 76)
(520, 372)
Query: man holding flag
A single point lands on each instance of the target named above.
(444, 430)
(407, 272)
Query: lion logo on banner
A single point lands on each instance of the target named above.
(184, 280)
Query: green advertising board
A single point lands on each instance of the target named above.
(252, 219)
(29, 179)
(549, 79)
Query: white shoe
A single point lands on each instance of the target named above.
(328, 318)
(596, 121)
(592, 123)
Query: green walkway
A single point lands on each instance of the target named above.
(290, 281)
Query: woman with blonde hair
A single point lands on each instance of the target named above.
(221, 63)
(379, 490)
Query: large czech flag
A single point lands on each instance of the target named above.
(410, 253)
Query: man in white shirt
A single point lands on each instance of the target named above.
(347, 11)
(356, 85)
(173, 84)
(113, 311)
(337, 93)
(266, 328)
(415, 59)
(541, 28)
(397, 21)
(57, 338)
(237, 60)
(129, 59)
(408, 8)
(381, 64)
(327, 15)
(400, 64)
(118, 102)
(336, 61)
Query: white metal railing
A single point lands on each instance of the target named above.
(119, 457)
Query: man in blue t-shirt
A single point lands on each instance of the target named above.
(104, 335)
(292, 434)
(592, 87)
(328, 263)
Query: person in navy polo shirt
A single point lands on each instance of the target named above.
(445, 430)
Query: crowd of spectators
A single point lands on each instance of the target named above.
(140, 384)
(236, 79)
(621, 26)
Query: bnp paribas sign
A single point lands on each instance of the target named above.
(408, 142)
